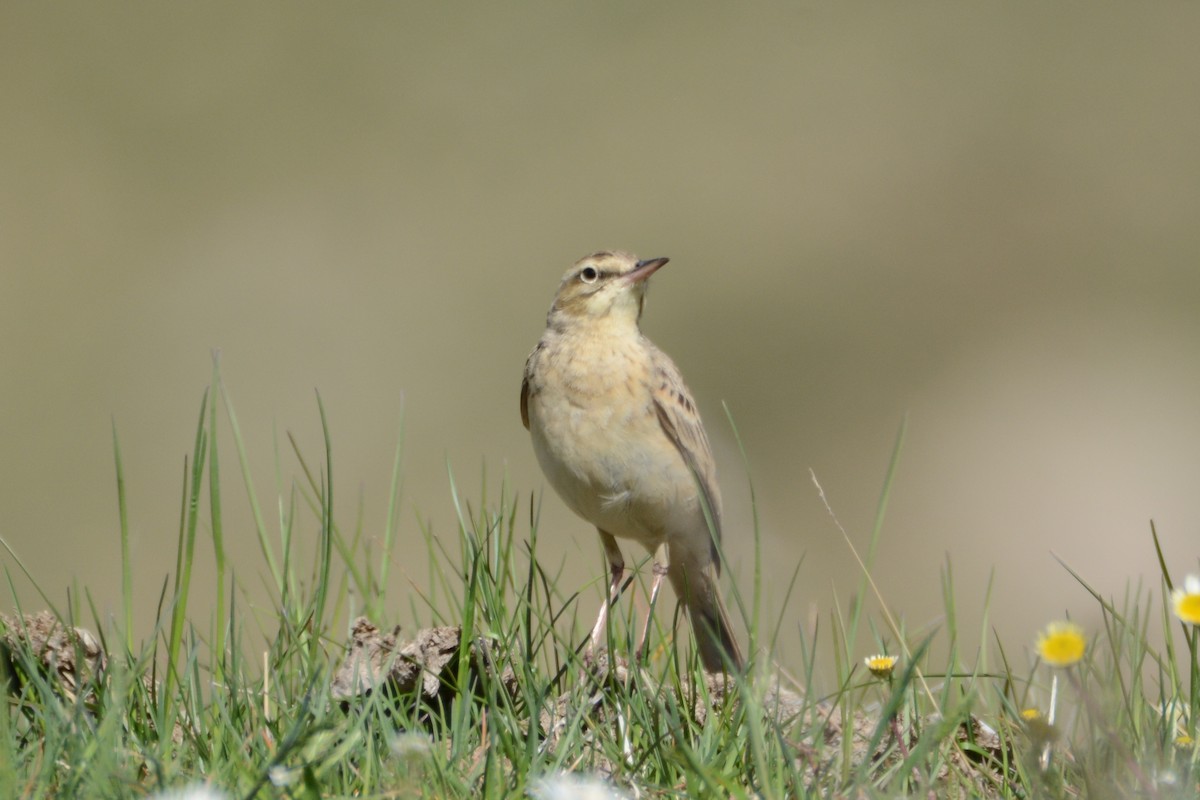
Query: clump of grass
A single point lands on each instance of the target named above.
(189, 703)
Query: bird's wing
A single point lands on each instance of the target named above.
(525, 401)
(680, 421)
(525, 389)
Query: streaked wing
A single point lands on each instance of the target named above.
(525, 402)
(525, 384)
(681, 423)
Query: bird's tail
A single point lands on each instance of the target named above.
(719, 650)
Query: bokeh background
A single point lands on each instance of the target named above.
(984, 218)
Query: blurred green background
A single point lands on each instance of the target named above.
(982, 216)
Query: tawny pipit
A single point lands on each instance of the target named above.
(618, 435)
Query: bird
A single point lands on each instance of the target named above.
(619, 437)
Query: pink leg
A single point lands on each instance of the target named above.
(661, 560)
(616, 570)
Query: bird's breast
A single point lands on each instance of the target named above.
(598, 439)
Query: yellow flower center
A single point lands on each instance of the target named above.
(1062, 644)
(1187, 608)
(881, 666)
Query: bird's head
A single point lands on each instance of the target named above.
(606, 285)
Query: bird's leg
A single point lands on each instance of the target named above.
(616, 570)
(661, 562)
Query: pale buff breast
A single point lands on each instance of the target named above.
(600, 444)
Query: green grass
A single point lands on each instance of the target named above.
(196, 702)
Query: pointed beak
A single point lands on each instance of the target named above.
(645, 269)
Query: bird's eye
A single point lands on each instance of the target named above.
(589, 275)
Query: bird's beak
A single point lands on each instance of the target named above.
(645, 269)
